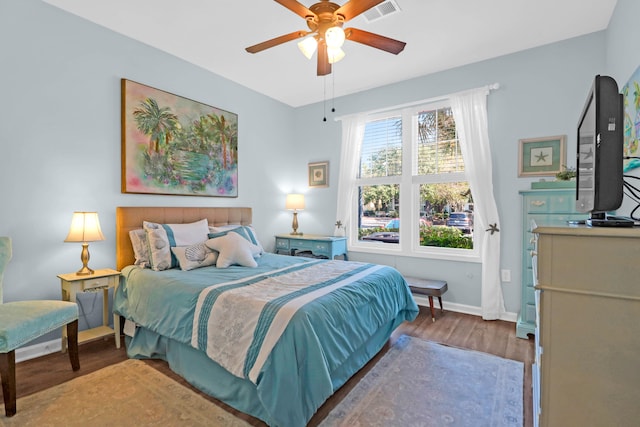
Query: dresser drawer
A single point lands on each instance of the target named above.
(282, 244)
(321, 248)
(301, 245)
(529, 295)
(550, 203)
(530, 313)
(537, 204)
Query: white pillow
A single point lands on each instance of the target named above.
(246, 231)
(194, 256)
(162, 237)
(234, 250)
(140, 247)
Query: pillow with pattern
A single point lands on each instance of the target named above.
(162, 237)
(140, 247)
(194, 256)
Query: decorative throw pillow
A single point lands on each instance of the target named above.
(246, 231)
(162, 237)
(140, 247)
(194, 256)
(234, 250)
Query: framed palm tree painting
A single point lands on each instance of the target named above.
(177, 146)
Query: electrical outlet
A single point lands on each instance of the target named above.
(505, 275)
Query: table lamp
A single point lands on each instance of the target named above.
(85, 227)
(295, 203)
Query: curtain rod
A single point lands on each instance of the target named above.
(490, 87)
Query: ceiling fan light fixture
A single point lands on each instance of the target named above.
(334, 54)
(308, 46)
(334, 37)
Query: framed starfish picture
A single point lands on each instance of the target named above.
(542, 156)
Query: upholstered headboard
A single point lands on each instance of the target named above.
(130, 218)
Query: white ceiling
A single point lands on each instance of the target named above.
(440, 34)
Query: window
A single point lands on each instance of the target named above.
(411, 171)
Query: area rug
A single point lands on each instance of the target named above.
(129, 393)
(420, 383)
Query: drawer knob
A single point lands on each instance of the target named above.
(538, 203)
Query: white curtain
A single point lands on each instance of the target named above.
(470, 113)
(352, 134)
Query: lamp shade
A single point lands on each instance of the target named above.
(295, 202)
(334, 37)
(335, 54)
(85, 227)
(308, 46)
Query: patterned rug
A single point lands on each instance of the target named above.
(420, 383)
(129, 393)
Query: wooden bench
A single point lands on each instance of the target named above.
(430, 288)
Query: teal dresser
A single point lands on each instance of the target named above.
(543, 207)
(320, 246)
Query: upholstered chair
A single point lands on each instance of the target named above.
(23, 321)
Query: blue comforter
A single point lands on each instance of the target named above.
(312, 354)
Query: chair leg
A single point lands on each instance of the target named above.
(72, 344)
(440, 300)
(8, 373)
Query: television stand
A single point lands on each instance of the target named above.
(604, 220)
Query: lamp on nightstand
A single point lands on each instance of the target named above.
(295, 203)
(85, 227)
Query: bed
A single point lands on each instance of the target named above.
(323, 319)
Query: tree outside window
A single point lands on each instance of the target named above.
(414, 155)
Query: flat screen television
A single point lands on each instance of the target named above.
(599, 157)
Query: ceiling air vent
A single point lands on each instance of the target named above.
(386, 8)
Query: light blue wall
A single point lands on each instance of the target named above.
(60, 137)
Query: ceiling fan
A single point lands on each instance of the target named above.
(325, 20)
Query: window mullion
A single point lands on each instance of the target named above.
(407, 230)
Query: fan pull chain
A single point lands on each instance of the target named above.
(333, 92)
(324, 98)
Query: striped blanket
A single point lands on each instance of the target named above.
(238, 323)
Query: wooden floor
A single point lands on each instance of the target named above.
(454, 329)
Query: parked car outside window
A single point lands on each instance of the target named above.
(461, 220)
(395, 223)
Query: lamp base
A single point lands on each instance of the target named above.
(84, 257)
(84, 271)
(295, 233)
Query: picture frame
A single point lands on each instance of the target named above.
(319, 174)
(173, 145)
(544, 156)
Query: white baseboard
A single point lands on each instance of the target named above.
(37, 350)
(461, 308)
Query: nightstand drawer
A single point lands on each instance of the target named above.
(100, 282)
(321, 247)
(301, 245)
(282, 244)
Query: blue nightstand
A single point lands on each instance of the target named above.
(329, 246)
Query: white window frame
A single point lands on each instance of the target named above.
(409, 183)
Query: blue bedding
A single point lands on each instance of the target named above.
(325, 341)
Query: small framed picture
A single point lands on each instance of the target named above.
(542, 156)
(319, 174)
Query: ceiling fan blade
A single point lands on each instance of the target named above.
(276, 41)
(353, 8)
(324, 67)
(374, 40)
(296, 7)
